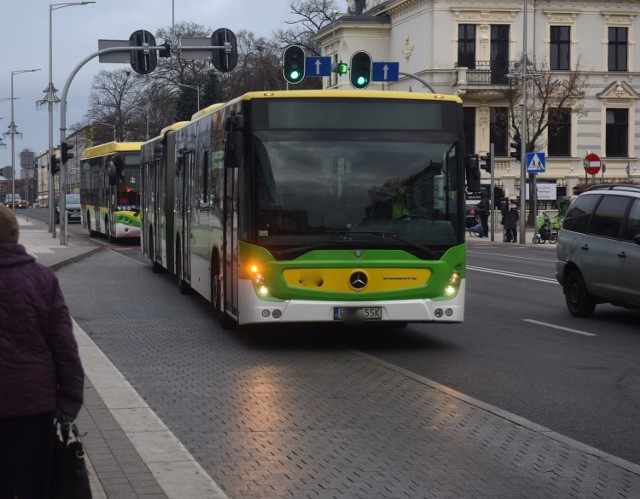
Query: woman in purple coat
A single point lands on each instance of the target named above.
(40, 370)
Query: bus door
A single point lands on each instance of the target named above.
(230, 242)
(187, 203)
(157, 172)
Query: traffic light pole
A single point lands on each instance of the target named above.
(63, 120)
(492, 205)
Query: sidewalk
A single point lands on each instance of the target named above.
(130, 452)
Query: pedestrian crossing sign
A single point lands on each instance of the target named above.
(536, 162)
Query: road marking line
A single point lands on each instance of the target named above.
(514, 274)
(562, 328)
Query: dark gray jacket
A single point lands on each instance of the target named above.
(40, 369)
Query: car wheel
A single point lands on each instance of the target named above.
(579, 301)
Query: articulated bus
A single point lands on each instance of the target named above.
(314, 206)
(110, 190)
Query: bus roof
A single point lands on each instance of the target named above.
(174, 126)
(206, 110)
(110, 148)
(351, 94)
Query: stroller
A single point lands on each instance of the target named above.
(546, 228)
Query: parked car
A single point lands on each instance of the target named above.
(598, 249)
(72, 207)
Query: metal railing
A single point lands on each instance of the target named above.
(486, 74)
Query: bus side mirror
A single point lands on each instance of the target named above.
(234, 125)
(116, 169)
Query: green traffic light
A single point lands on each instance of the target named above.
(293, 64)
(342, 68)
(362, 80)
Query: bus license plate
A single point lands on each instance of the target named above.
(362, 313)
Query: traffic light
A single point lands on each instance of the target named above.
(143, 61)
(342, 68)
(293, 62)
(486, 162)
(64, 152)
(360, 72)
(55, 164)
(517, 150)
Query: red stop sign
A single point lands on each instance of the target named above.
(592, 163)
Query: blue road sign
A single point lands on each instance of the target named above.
(385, 71)
(317, 66)
(536, 162)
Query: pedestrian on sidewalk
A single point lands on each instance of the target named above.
(483, 209)
(510, 219)
(41, 375)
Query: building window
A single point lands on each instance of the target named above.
(469, 123)
(499, 130)
(560, 37)
(467, 46)
(617, 133)
(617, 49)
(499, 53)
(559, 132)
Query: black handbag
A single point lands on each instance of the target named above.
(70, 475)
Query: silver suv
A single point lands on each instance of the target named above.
(599, 249)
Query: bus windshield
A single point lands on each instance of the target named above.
(129, 189)
(359, 189)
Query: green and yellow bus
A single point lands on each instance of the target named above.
(110, 190)
(314, 206)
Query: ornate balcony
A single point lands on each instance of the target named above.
(484, 79)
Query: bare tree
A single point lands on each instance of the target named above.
(309, 16)
(114, 94)
(548, 91)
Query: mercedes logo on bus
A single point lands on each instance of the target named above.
(358, 280)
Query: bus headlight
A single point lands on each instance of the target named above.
(452, 288)
(255, 273)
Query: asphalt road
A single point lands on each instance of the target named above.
(519, 349)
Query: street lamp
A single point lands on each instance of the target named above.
(13, 130)
(50, 99)
(195, 87)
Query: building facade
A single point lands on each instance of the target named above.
(474, 49)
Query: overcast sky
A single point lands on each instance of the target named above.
(24, 25)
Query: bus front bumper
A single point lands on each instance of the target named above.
(253, 310)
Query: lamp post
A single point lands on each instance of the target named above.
(196, 88)
(50, 99)
(13, 131)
